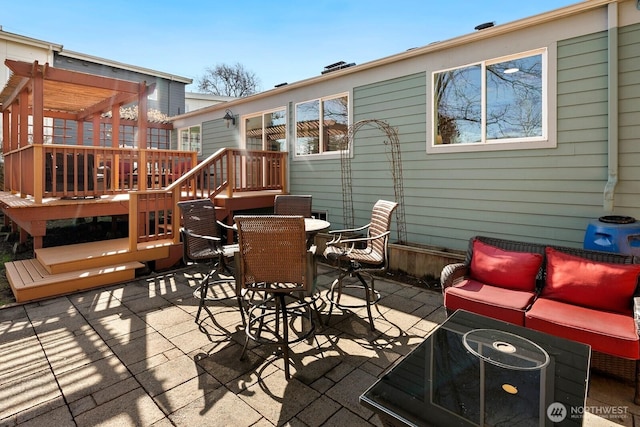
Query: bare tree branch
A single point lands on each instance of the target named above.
(229, 80)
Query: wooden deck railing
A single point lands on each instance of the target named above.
(85, 171)
(228, 170)
(52, 170)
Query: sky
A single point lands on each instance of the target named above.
(281, 41)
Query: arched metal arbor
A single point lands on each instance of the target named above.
(393, 153)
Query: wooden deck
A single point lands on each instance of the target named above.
(72, 268)
(66, 269)
(54, 170)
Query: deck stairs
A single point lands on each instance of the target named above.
(236, 181)
(72, 268)
(62, 270)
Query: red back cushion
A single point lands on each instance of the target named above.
(591, 284)
(506, 269)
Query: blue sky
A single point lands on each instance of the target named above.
(283, 41)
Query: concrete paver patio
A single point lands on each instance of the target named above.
(131, 355)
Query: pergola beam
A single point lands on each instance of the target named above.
(109, 103)
(24, 81)
(106, 105)
(25, 69)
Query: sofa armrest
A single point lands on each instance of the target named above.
(452, 272)
(636, 312)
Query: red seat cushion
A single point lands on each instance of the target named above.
(591, 284)
(492, 301)
(606, 332)
(506, 269)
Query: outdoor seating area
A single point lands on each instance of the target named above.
(577, 294)
(131, 354)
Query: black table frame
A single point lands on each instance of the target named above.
(402, 396)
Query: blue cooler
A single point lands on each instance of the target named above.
(617, 234)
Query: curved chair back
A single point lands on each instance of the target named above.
(199, 219)
(289, 204)
(380, 224)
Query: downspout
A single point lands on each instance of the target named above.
(612, 101)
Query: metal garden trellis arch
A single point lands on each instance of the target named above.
(393, 143)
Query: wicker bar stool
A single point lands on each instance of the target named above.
(358, 261)
(290, 204)
(201, 241)
(276, 273)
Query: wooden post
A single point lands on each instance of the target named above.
(96, 130)
(15, 114)
(231, 173)
(6, 143)
(23, 141)
(133, 221)
(10, 171)
(115, 126)
(38, 133)
(142, 136)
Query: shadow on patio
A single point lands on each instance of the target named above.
(132, 355)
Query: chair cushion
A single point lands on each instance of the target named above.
(591, 284)
(606, 332)
(492, 301)
(506, 269)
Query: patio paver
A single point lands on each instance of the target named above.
(132, 355)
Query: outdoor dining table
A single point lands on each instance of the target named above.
(312, 226)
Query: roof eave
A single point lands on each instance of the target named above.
(41, 44)
(497, 30)
(84, 57)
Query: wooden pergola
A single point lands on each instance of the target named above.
(35, 92)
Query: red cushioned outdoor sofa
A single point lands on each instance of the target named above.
(577, 294)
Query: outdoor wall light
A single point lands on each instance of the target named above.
(228, 117)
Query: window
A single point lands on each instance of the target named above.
(266, 131)
(322, 125)
(493, 102)
(190, 140)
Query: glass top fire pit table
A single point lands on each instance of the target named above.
(476, 371)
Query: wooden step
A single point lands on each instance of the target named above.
(30, 280)
(63, 259)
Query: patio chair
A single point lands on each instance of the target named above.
(358, 256)
(276, 272)
(201, 241)
(289, 204)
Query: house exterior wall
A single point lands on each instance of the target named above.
(169, 97)
(628, 192)
(19, 48)
(540, 195)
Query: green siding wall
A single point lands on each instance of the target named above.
(539, 195)
(546, 195)
(627, 198)
(216, 135)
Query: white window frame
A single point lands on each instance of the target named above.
(322, 154)
(542, 141)
(181, 147)
(261, 114)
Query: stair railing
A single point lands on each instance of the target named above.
(229, 170)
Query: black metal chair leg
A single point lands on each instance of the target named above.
(285, 336)
(204, 288)
(241, 307)
(331, 298)
(367, 294)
